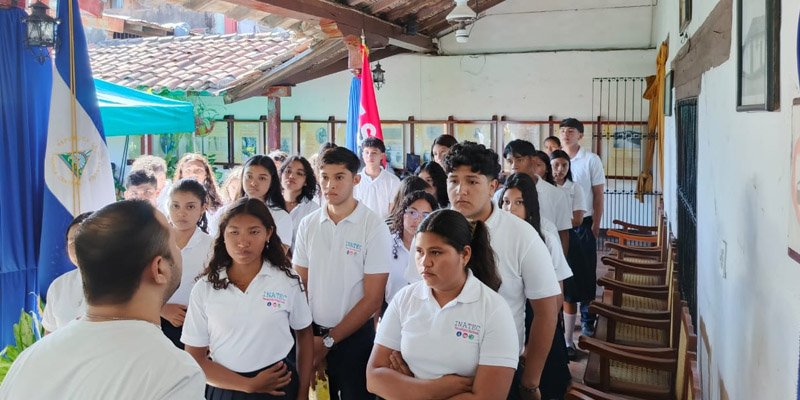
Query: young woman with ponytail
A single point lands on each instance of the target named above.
(450, 334)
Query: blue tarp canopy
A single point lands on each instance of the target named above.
(127, 111)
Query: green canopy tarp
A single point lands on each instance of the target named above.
(127, 111)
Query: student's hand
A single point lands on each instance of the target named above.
(320, 354)
(271, 380)
(596, 229)
(397, 363)
(453, 385)
(174, 313)
(319, 373)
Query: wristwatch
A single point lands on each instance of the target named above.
(328, 341)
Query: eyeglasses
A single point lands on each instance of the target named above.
(414, 214)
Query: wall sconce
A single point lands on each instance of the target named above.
(377, 76)
(41, 31)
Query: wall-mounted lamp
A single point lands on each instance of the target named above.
(377, 76)
(41, 31)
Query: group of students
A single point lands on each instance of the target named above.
(443, 285)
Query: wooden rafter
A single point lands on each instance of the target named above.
(333, 66)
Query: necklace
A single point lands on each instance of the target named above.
(101, 318)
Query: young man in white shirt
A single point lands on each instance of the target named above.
(378, 185)
(130, 265)
(341, 253)
(587, 172)
(523, 261)
(553, 202)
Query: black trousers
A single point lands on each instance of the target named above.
(172, 332)
(215, 393)
(347, 365)
(588, 246)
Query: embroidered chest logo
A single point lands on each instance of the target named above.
(352, 248)
(275, 300)
(467, 331)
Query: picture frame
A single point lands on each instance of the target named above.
(425, 132)
(685, 13)
(621, 150)
(393, 138)
(478, 132)
(758, 55)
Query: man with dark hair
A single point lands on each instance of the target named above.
(341, 253)
(587, 172)
(441, 146)
(141, 185)
(130, 265)
(523, 259)
(553, 202)
(378, 186)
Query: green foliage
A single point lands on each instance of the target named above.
(26, 332)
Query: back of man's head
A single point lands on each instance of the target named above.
(341, 156)
(115, 245)
(520, 148)
(140, 177)
(476, 156)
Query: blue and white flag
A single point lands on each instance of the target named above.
(77, 169)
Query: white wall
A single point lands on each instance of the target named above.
(749, 320)
(520, 86)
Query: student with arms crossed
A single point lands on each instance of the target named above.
(450, 335)
(342, 256)
(130, 266)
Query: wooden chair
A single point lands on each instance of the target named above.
(651, 276)
(637, 235)
(651, 373)
(655, 253)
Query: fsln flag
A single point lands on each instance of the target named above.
(77, 169)
(369, 121)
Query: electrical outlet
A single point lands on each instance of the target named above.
(723, 259)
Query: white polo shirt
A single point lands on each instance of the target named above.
(65, 301)
(575, 195)
(553, 243)
(247, 331)
(283, 223)
(523, 261)
(587, 171)
(475, 328)
(377, 193)
(554, 205)
(195, 255)
(397, 269)
(337, 257)
(121, 360)
(299, 212)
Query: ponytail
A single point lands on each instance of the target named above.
(482, 262)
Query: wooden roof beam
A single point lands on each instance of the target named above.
(345, 17)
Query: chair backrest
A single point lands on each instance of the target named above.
(674, 305)
(687, 350)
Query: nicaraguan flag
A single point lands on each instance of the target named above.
(77, 169)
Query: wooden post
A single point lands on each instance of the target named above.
(231, 144)
(273, 124)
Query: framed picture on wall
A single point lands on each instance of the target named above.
(685, 13)
(424, 135)
(478, 132)
(393, 134)
(621, 150)
(312, 136)
(758, 65)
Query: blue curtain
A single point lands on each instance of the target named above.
(24, 107)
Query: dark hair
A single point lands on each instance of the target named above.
(444, 140)
(273, 198)
(476, 156)
(407, 185)
(562, 154)
(395, 219)
(114, 245)
(571, 123)
(341, 156)
(309, 189)
(140, 177)
(214, 199)
(76, 221)
(548, 176)
(454, 229)
(272, 252)
(326, 146)
(519, 147)
(439, 181)
(530, 198)
(196, 188)
(374, 143)
(553, 139)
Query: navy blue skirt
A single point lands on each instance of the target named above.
(215, 393)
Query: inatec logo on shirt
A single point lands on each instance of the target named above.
(352, 248)
(467, 331)
(275, 300)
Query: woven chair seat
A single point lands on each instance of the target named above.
(627, 373)
(639, 260)
(632, 302)
(636, 335)
(641, 280)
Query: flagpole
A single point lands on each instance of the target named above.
(76, 180)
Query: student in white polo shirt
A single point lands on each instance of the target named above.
(521, 199)
(187, 214)
(451, 334)
(244, 311)
(522, 157)
(523, 260)
(378, 185)
(342, 255)
(299, 187)
(65, 300)
(130, 266)
(587, 171)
